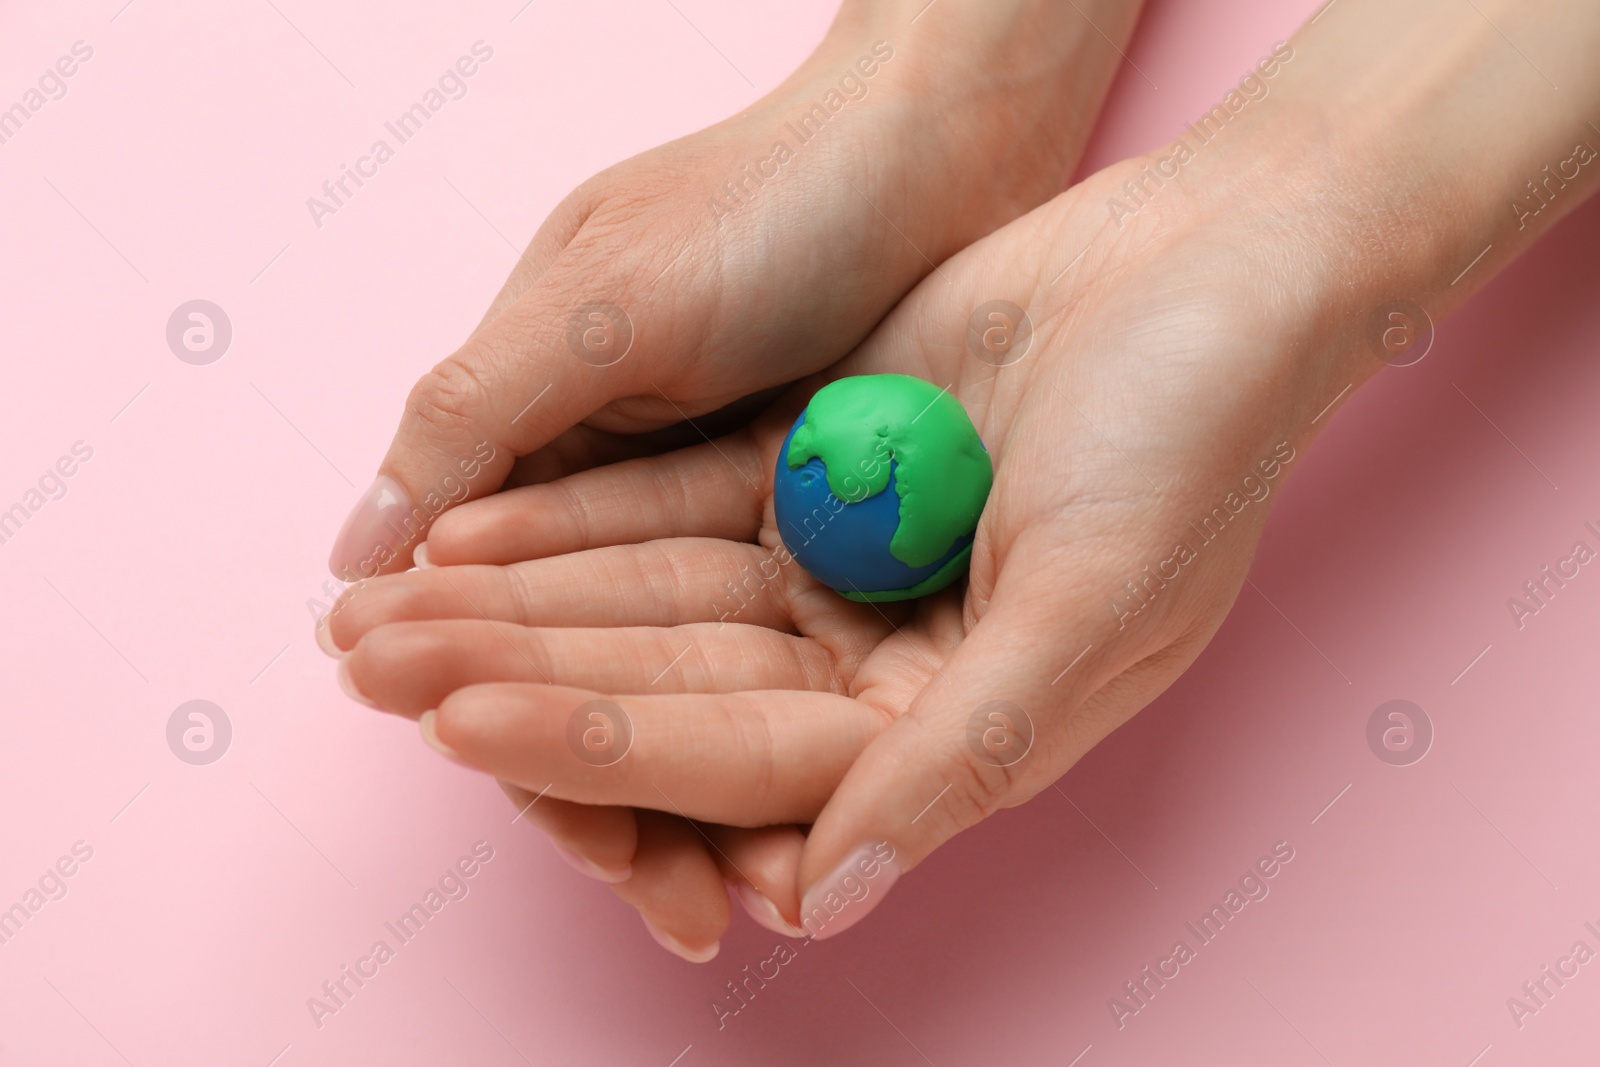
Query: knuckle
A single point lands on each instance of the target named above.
(525, 654)
(451, 397)
(980, 787)
(638, 225)
(667, 578)
(745, 737)
(575, 509)
(624, 194)
(518, 592)
(761, 747)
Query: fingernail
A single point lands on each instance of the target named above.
(850, 892)
(419, 557)
(325, 636)
(431, 736)
(584, 865)
(373, 533)
(765, 912)
(678, 948)
(348, 684)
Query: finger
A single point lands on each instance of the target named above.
(1004, 718)
(596, 840)
(601, 842)
(744, 759)
(581, 447)
(677, 888)
(714, 490)
(662, 583)
(761, 864)
(409, 667)
(543, 363)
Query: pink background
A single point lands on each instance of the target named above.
(180, 562)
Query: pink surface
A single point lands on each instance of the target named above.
(179, 562)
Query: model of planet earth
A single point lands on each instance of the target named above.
(879, 486)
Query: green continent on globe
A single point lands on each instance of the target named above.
(942, 473)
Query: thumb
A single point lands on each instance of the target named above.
(1002, 719)
(548, 361)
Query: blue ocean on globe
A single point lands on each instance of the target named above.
(844, 545)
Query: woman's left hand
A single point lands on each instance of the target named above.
(1172, 375)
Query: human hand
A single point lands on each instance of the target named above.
(747, 255)
(1208, 318)
(964, 127)
(1133, 411)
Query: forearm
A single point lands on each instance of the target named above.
(1461, 123)
(1408, 152)
(1001, 96)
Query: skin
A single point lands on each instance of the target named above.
(1176, 348)
(806, 268)
(724, 305)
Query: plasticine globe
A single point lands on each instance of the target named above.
(879, 486)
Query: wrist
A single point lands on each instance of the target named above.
(1389, 197)
(982, 109)
(1436, 174)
